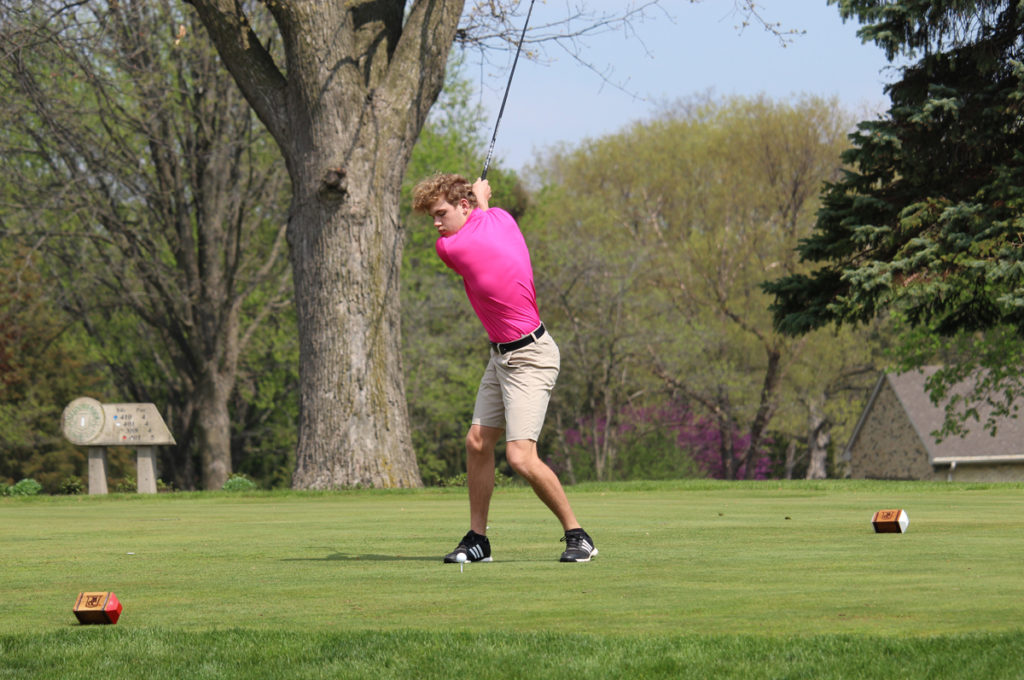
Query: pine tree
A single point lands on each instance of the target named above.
(928, 221)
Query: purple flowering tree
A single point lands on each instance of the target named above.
(669, 440)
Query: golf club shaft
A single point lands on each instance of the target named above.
(519, 47)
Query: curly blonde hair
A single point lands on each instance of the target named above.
(442, 186)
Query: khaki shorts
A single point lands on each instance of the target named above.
(516, 388)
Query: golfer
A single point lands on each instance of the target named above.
(485, 247)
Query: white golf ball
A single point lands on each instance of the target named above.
(461, 557)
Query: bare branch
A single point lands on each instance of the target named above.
(750, 13)
(490, 28)
(248, 60)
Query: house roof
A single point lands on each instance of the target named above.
(977, 446)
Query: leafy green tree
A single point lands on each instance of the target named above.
(830, 380)
(664, 233)
(925, 224)
(265, 402)
(144, 177)
(42, 368)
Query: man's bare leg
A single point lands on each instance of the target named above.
(480, 443)
(522, 457)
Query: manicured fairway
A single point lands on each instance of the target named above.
(793, 566)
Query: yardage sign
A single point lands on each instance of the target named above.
(88, 422)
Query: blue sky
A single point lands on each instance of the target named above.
(683, 50)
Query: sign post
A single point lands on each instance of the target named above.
(89, 423)
(97, 470)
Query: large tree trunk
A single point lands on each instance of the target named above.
(354, 424)
(213, 427)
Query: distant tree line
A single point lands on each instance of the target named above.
(160, 243)
(649, 248)
(143, 258)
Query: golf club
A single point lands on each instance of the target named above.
(490, 150)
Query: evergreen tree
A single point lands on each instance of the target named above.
(927, 222)
(928, 218)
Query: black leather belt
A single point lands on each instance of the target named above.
(505, 347)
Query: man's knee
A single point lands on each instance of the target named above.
(474, 443)
(480, 440)
(521, 455)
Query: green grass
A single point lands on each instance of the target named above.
(694, 579)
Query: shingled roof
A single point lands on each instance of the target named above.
(977, 446)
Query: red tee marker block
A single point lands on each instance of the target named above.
(97, 608)
(890, 522)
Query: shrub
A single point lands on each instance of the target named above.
(72, 486)
(126, 485)
(26, 487)
(239, 483)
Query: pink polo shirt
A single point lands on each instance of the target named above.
(490, 254)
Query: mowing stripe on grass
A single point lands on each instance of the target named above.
(159, 653)
(769, 559)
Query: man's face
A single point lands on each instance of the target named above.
(448, 218)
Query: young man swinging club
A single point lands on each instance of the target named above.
(485, 247)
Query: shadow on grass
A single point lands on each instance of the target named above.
(348, 557)
(353, 557)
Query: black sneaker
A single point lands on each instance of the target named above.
(475, 547)
(579, 546)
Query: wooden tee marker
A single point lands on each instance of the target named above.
(97, 608)
(890, 522)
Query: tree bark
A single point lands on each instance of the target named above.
(213, 428)
(790, 458)
(354, 427)
(765, 409)
(819, 437)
